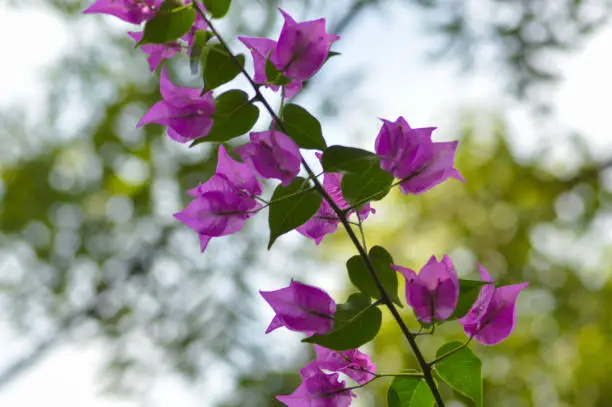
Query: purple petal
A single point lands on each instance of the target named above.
(218, 182)
(185, 127)
(237, 173)
(324, 222)
(499, 320)
(272, 154)
(158, 113)
(217, 213)
(131, 11)
(292, 88)
(355, 364)
(260, 49)
(318, 390)
(436, 171)
(302, 308)
(204, 240)
(274, 324)
(185, 98)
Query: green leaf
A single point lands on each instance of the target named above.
(355, 324)
(296, 204)
(302, 127)
(363, 178)
(347, 159)
(202, 37)
(168, 25)
(217, 8)
(406, 391)
(199, 43)
(355, 303)
(363, 280)
(219, 67)
(461, 371)
(234, 116)
(274, 76)
(381, 259)
(468, 293)
(371, 185)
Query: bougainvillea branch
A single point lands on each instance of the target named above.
(426, 368)
(352, 180)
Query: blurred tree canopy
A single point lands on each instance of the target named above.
(89, 249)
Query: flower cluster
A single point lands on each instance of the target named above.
(351, 180)
(304, 308)
(186, 112)
(301, 50)
(411, 156)
(433, 294)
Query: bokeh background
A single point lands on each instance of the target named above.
(106, 301)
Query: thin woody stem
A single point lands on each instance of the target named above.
(425, 367)
(376, 376)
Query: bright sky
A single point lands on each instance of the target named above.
(422, 92)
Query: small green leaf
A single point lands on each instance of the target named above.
(408, 391)
(195, 57)
(234, 116)
(371, 185)
(219, 67)
(361, 329)
(347, 159)
(168, 25)
(382, 260)
(296, 204)
(202, 37)
(461, 371)
(468, 293)
(355, 303)
(302, 127)
(217, 8)
(274, 76)
(362, 279)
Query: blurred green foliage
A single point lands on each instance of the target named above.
(89, 249)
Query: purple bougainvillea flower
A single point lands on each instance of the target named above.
(410, 155)
(236, 176)
(224, 202)
(302, 48)
(492, 317)
(325, 221)
(157, 52)
(131, 11)
(433, 293)
(318, 389)
(302, 308)
(436, 171)
(353, 363)
(187, 114)
(261, 48)
(217, 213)
(272, 154)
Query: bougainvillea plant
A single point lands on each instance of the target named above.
(316, 203)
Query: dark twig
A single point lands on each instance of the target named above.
(425, 367)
